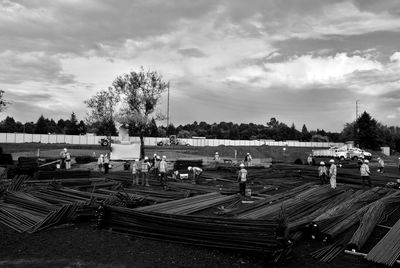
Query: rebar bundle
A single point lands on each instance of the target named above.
(387, 251)
(236, 234)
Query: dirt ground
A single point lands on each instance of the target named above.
(82, 245)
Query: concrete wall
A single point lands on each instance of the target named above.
(91, 139)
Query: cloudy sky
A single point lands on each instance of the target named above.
(301, 61)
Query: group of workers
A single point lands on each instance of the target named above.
(248, 160)
(365, 172)
(103, 163)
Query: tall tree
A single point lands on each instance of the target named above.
(102, 111)
(41, 126)
(140, 93)
(9, 125)
(3, 102)
(367, 133)
(71, 127)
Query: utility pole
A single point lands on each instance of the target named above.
(168, 107)
(357, 109)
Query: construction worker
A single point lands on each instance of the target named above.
(156, 167)
(135, 179)
(247, 160)
(216, 156)
(364, 170)
(309, 160)
(381, 165)
(63, 156)
(242, 178)
(145, 166)
(322, 172)
(100, 162)
(163, 171)
(196, 171)
(106, 163)
(332, 173)
(398, 164)
(67, 160)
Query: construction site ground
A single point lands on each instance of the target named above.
(81, 244)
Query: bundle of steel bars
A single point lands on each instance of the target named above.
(191, 204)
(237, 234)
(387, 251)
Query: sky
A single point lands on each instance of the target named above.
(309, 62)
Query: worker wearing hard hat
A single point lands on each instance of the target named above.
(196, 173)
(364, 170)
(100, 162)
(332, 173)
(248, 160)
(144, 169)
(63, 156)
(322, 172)
(163, 168)
(242, 178)
(216, 156)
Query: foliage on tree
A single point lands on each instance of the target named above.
(41, 126)
(3, 102)
(101, 115)
(140, 93)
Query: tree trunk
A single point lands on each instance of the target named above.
(141, 144)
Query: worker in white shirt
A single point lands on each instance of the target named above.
(242, 178)
(332, 173)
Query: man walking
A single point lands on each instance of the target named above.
(163, 172)
(322, 172)
(364, 170)
(242, 178)
(332, 173)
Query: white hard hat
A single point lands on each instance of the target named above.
(322, 163)
(158, 157)
(378, 158)
(65, 149)
(216, 152)
(189, 168)
(331, 161)
(155, 154)
(248, 153)
(366, 161)
(241, 165)
(146, 158)
(101, 155)
(164, 157)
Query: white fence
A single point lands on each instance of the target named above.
(91, 139)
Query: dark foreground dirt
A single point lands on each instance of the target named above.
(81, 245)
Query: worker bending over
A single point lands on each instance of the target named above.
(196, 172)
(242, 178)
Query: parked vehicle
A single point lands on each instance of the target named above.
(356, 153)
(172, 140)
(342, 153)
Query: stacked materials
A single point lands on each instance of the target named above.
(236, 234)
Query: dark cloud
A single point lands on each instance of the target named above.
(191, 52)
(380, 41)
(23, 98)
(16, 68)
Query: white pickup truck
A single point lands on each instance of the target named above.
(342, 153)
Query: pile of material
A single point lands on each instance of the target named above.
(236, 234)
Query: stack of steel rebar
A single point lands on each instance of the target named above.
(236, 234)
